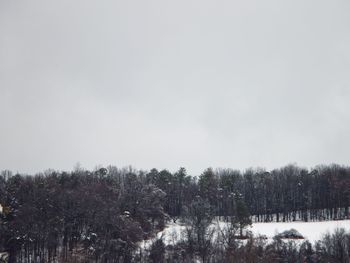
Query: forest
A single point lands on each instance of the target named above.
(102, 215)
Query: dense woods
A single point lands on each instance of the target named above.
(287, 194)
(102, 215)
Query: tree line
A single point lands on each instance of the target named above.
(287, 194)
(102, 215)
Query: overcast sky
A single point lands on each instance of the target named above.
(157, 83)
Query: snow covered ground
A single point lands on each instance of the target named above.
(313, 231)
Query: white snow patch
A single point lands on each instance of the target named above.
(313, 231)
(171, 234)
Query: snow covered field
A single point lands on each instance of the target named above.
(312, 231)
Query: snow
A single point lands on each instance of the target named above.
(313, 231)
(172, 234)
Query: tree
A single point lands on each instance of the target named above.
(157, 251)
(199, 216)
(208, 187)
(242, 217)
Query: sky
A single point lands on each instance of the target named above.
(169, 84)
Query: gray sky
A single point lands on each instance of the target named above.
(164, 84)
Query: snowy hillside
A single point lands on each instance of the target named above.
(312, 231)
